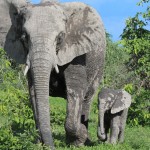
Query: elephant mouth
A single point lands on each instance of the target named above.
(43, 53)
(28, 67)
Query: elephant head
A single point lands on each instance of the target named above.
(113, 101)
(45, 35)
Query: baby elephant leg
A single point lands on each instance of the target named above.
(123, 119)
(114, 129)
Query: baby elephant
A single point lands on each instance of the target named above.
(113, 109)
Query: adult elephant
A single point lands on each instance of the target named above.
(113, 110)
(63, 48)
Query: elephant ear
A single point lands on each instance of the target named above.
(10, 29)
(84, 32)
(122, 101)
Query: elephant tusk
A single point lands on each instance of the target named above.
(26, 70)
(56, 69)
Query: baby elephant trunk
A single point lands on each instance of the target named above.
(101, 130)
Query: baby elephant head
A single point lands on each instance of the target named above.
(113, 101)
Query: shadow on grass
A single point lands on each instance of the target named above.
(59, 140)
(91, 143)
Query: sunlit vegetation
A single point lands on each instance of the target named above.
(127, 66)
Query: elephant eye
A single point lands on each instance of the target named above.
(59, 41)
(24, 37)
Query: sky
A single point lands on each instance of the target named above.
(113, 13)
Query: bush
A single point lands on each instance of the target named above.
(140, 108)
(116, 74)
(17, 127)
(135, 39)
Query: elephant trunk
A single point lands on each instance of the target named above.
(101, 129)
(41, 66)
(41, 83)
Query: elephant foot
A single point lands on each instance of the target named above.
(70, 139)
(113, 142)
(78, 143)
(88, 142)
(77, 140)
(76, 135)
(73, 140)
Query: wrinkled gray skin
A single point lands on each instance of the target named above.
(44, 36)
(113, 109)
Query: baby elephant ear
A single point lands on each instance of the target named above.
(122, 101)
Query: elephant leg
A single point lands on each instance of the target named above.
(75, 131)
(86, 104)
(76, 84)
(85, 113)
(123, 119)
(107, 122)
(121, 136)
(114, 128)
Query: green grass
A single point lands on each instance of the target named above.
(136, 138)
(16, 135)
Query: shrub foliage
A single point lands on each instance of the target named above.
(135, 40)
(127, 66)
(16, 126)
